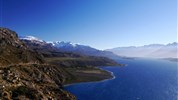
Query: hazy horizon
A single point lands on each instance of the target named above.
(97, 23)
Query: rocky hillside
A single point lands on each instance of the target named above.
(32, 81)
(13, 51)
(24, 74)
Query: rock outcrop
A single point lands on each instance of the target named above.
(13, 51)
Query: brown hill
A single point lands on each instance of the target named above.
(13, 51)
(32, 81)
(24, 74)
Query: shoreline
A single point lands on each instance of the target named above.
(111, 73)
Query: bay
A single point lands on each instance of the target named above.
(141, 79)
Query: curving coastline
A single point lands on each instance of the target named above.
(103, 80)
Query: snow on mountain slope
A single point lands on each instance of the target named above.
(63, 44)
(73, 47)
(82, 49)
(67, 47)
(30, 38)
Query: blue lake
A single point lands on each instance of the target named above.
(142, 79)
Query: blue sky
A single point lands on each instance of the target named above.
(101, 24)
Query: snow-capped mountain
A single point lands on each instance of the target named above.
(152, 50)
(34, 42)
(81, 49)
(31, 38)
(62, 46)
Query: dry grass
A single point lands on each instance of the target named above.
(89, 71)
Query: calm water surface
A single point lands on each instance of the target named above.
(142, 79)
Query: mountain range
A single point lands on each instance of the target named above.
(68, 47)
(152, 50)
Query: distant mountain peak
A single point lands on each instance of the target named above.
(153, 45)
(151, 50)
(80, 49)
(63, 44)
(30, 38)
(173, 44)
